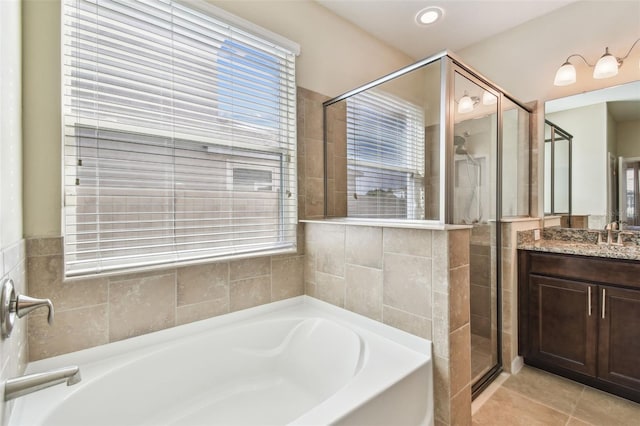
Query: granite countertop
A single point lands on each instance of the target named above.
(581, 242)
(584, 249)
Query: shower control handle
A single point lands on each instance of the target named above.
(14, 305)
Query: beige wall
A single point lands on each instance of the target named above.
(523, 60)
(628, 138)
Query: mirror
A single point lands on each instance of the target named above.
(592, 164)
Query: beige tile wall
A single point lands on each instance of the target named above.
(413, 279)
(13, 351)
(310, 154)
(97, 311)
(510, 289)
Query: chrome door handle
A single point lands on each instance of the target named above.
(589, 299)
(604, 301)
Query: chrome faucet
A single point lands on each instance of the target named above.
(24, 385)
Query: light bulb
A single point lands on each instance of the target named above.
(489, 98)
(607, 66)
(565, 75)
(465, 104)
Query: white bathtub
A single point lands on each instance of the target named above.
(297, 362)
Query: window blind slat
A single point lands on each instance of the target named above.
(179, 138)
(385, 157)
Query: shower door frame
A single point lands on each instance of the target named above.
(450, 64)
(454, 67)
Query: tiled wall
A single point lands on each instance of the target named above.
(95, 311)
(510, 360)
(13, 351)
(310, 154)
(413, 279)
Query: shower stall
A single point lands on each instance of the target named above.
(436, 142)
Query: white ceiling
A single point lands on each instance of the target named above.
(465, 22)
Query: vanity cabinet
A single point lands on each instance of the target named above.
(579, 317)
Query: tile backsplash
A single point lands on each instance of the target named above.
(13, 351)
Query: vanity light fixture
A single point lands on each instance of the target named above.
(467, 103)
(429, 15)
(607, 66)
(489, 98)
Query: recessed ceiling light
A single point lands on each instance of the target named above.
(429, 15)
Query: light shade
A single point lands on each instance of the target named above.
(465, 104)
(607, 66)
(489, 98)
(565, 75)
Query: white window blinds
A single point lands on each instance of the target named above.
(385, 157)
(179, 137)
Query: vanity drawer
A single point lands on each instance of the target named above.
(619, 272)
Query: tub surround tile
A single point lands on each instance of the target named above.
(364, 291)
(460, 360)
(461, 407)
(198, 283)
(201, 311)
(249, 268)
(72, 330)
(363, 246)
(414, 324)
(407, 283)
(407, 241)
(441, 390)
(287, 277)
(249, 292)
(458, 248)
(330, 288)
(13, 351)
(141, 306)
(459, 297)
(46, 282)
(44, 246)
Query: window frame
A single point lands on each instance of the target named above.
(283, 182)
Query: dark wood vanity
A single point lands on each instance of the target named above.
(579, 317)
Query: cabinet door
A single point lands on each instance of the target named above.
(563, 323)
(619, 342)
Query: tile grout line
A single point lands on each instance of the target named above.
(538, 402)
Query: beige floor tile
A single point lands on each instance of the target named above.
(577, 422)
(555, 391)
(508, 408)
(603, 409)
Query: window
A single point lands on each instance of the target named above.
(179, 137)
(385, 157)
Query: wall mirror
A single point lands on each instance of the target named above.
(592, 167)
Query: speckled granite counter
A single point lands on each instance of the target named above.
(582, 242)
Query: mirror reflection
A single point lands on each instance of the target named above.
(595, 181)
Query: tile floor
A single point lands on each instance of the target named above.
(535, 397)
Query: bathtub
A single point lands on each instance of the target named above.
(295, 362)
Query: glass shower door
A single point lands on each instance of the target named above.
(475, 189)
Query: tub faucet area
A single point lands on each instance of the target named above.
(24, 385)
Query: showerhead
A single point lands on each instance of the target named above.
(458, 142)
